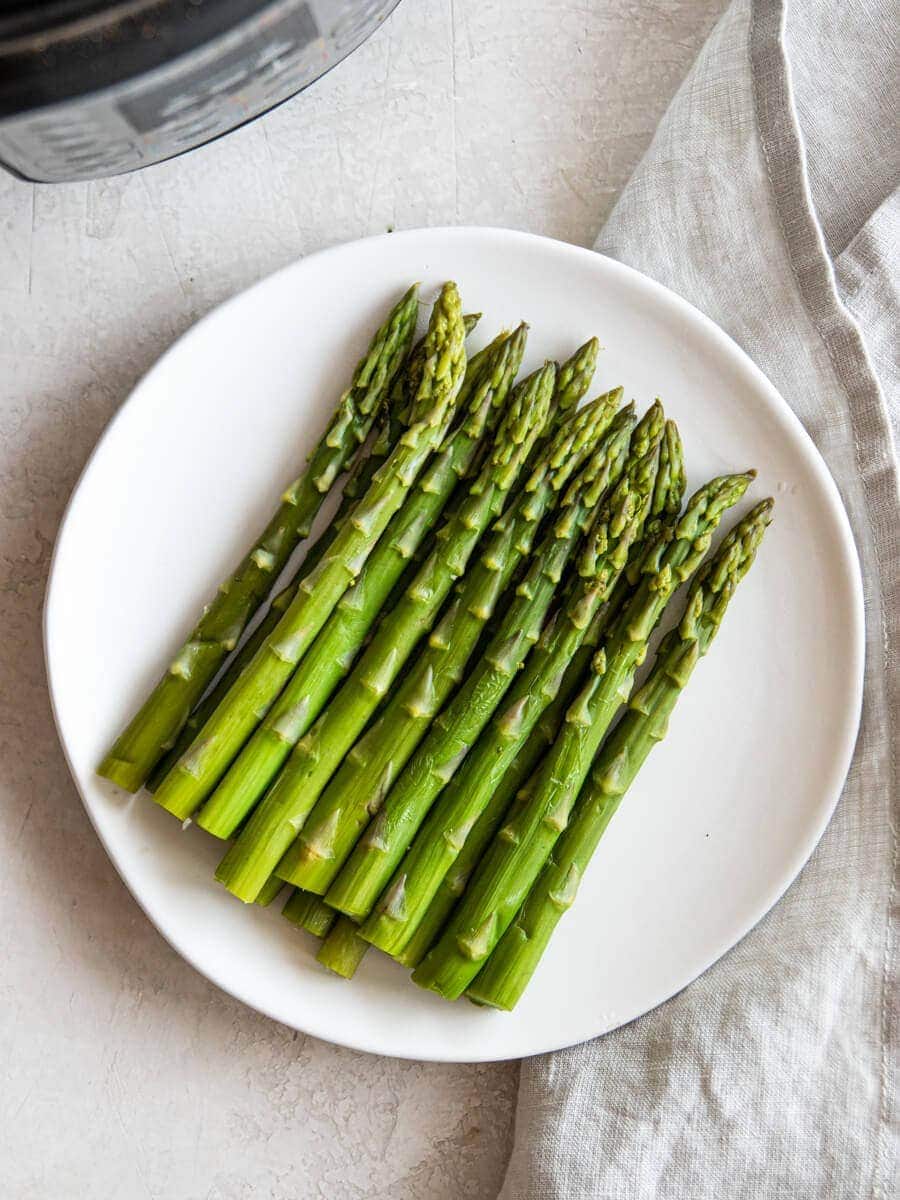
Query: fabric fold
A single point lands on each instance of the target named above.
(773, 1074)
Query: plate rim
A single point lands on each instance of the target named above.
(849, 564)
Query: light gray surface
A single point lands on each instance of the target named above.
(126, 1074)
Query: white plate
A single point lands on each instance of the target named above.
(726, 811)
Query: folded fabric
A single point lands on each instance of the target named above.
(768, 199)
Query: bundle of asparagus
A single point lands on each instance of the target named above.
(462, 720)
(155, 727)
(520, 849)
(507, 971)
(415, 734)
(334, 650)
(302, 797)
(616, 528)
(393, 420)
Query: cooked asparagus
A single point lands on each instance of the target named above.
(364, 779)
(616, 529)
(343, 949)
(309, 912)
(512, 963)
(335, 649)
(446, 744)
(283, 810)
(247, 701)
(156, 725)
(512, 862)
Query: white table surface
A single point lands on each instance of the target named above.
(126, 1074)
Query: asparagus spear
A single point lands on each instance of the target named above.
(451, 885)
(516, 856)
(302, 781)
(504, 977)
(249, 698)
(616, 529)
(392, 422)
(309, 912)
(337, 645)
(573, 380)
(668, 490)
(668, 493)
(343, 949)
(668, 496)
(446, 743)
(156, 725)
(269, 892)
(280, 815)
(364, 778)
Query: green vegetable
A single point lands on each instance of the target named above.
(616, 528)
(446, 743)
(668, 494)
(157, 724)
(451, 886)
(309, 912)
(335, 649)
(280, 815)
(343, 949)
(511, 965)
(360, 785)
(269, 892)
(514, 859)
(392, 422)
(250, 697)
(573, 380)
(667, 498)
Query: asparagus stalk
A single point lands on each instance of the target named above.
(269, 892)
(451, 886)
(309, 912)
(343, 949)
(518, 853)
(573, 380)
(392, 422)
(668, 494)
(427, 927)
(364, 778)
(156, 725)
(500, 808)
(280, 815)
(503, 979)
(444, 745)
(668, 490)
(332, 654)
(249, 698)
(616, 529)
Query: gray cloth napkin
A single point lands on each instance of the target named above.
(768, 200)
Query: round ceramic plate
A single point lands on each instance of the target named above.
(727, 809)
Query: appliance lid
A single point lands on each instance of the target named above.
(57, 50)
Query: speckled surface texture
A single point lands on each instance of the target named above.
(125, 1073)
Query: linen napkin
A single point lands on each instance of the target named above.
(768, 199)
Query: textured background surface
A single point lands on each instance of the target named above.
(126, 1074)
